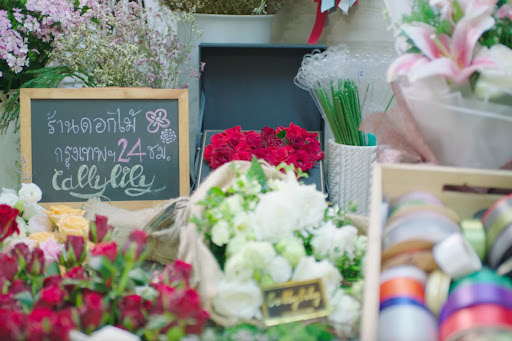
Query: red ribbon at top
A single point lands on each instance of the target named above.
(318, 28)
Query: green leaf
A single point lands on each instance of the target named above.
(52, 269)
(139, 276)
(256, 172)
(282, 134)
(158, 322)
(175, 334)
(26, 299)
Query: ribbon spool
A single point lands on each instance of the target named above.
(478, 316)
(402, 287)
(483, 334)
(436, 291)
(471, 295)
(498, 226)
(495, 210)
(505, 269)
(486, 275)
(422, 196)
(444, 211)
(406, 320)
(422, 259)
(501, 249)
(456, 257)
(416, 215)
(433, 230)
(403, 271)
(474, 233)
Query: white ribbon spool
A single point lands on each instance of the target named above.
(406, 323)
(407, 271)
(456, 257)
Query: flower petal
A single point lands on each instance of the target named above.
(403, 64)
(466, 35)
(421, 34)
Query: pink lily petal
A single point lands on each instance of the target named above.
(466, 35)
(403, 64)
(421, 34)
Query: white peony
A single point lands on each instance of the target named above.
(234, 203)
(235, 245)
(8, 197)
(497, 81)
(40, 223)
(238, 268)
(345, 311)
(220, 233)
(275, 216)
(280, 270)
(331, 242)
(22, 227)
(30, 210)
(292, 249)
(30, 193)
(309, 268)
(241, 300)
(241, 223)
(257, 254)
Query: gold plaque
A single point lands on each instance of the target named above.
(294, 301)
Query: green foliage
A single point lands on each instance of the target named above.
(284, 332)
(240, 7)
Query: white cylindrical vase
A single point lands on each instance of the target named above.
(349, 175)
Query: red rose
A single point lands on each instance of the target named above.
(176, 273)
(243, 147)
(35, 263)
(99, 229)
(53, 280)
(20, 251)
(233, 136)
(219, 139)
(8, 225)
(8, 267)
(167, 297)
(18, 286)
(131, 308)
(108, 250)
(296, 136)
(76, 273)
(35, 322)
(92, 310)
(281, 154)
(221, 156)
(254, 140)
(301, 159)
(138, 238)
(208, 152)
(12, 324)
(75, 249)
(187, 303)
(8, 301)
(51, 297)
(268, 134)
(264, 154)
(242, 156)
(62, 324)
(200, 318)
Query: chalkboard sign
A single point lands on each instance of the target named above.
(125, 145)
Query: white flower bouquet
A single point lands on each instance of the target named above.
(254, 226)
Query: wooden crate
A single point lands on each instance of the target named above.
(395, 180)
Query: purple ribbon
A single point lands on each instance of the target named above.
(469, 295)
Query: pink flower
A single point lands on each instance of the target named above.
(505, 11)
(51, 250)
(450, 57)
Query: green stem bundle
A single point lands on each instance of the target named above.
(343, 111)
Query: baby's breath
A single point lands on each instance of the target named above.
(241, 7)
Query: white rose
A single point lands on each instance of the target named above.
(257, 254)
(220, 233)
(291, 248)
(240, 300)
(30, 210)
(280, 270)
(331, 242)
(309, 268)
(22, 227)
(8, 197)
(241, 223)
(112, 333)
(40, 223)
(345, 311)
(275, 216)
(235, 245)
(497, 81)
(234, 203)
(30, 193)
(237, 268)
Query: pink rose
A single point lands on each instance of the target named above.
(51, 250)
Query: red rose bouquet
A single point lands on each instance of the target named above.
(291, 145)
(91, 286)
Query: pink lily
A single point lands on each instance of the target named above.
(476, 8)
(445, 7)
(450, 57)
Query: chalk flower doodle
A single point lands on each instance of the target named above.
(168, 136)
(157, 119)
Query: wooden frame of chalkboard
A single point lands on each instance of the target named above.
(65, 136)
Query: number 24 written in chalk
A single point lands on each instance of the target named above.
(132, 152)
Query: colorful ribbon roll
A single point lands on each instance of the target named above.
(423, 196)
(473, 231)
(501, 249)
(444, 211)
(486, 275)
(415, 215)
(456, 257)
(495, 210)
(471, 295)
(406, 321)
(402, 287)
(436, 291)
(421, 258)
(498, 225)
(479, 316)
(404, 271)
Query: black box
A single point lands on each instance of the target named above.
(252, 86)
